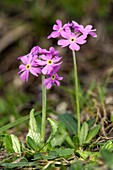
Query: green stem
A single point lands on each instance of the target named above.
(76, 91)
(43, 110)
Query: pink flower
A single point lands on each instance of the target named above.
(48, 62)
(53, 78)
(52, 51)
(58, 28)
(77, 27)
(72, 40)
(29, 65)
(38, 50)
(84, 30)
(88, 30)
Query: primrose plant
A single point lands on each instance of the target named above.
(73, 35)
(42, 62)
(48, 62)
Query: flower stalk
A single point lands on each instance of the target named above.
(76, 90)
(43, 110)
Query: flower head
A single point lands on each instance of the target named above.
(53, 78)
(29, 65)
(88, 30)
(52, 51)
(72, 40)
(84, 30)
(38, 50)
(58, 28)
(48, 62)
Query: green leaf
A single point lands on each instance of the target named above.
(58, 139)
(16, 144)
(35, 136)
(84, 154)
(20, 164)
(33, 133)
(26, 150)
(37, 156)
(62, 130)
(33, 123)
(83, 133)
(92, 133)
(108, 146)
(63, 152)
(51, 155)
(70, 123)
(54, 126)
(8, 144)
(31, 143)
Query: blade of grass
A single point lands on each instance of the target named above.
(17, 122)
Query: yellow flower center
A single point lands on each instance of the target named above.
(53, 77)
(72, 39)
(28, 66)
(60, 29)
(49, 62)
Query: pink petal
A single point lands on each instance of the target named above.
(88, 27)
(58, 21)
(57, 64)
(81, 42)
(49, 36)
(30, 57)
(24, 59)
(93, 34)
(40, 62)
(49, 56)
(44, 57)
(74, 46)
(54, 34)
(55, 69)
(24, 76)
(57, 82)
(22, 67)
(60, 78)
(75, 23)
(57, 59)
(34, 71)
(81, 39)
(34, 49)
(63, 42)
(55, 27)
(47, 69)
(66, 34)
(48, 83)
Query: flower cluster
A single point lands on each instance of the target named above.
(41, 61)
(73, 34)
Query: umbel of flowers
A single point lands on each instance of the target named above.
(48, 62)
(41, 61)
(72, 34)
